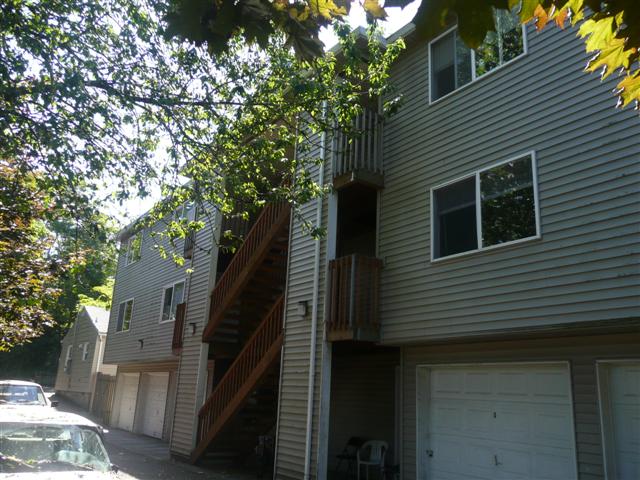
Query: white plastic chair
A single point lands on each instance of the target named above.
(377, 450)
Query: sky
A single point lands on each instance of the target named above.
(134, 207)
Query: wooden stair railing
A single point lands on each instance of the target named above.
(244, 374)
(245, 262)
(178, 328)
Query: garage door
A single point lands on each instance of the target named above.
(155, 400)
(497, 422)
(127, 407)
(623, 429)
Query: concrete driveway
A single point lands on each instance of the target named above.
(141, 457)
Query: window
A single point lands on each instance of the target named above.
(125, 312)
(186, 211)
(494, 206)
(67, 360)
(453, 64)
(134, 247)
(85, 351)
(171, 297)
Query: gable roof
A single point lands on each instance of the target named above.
(98, 316)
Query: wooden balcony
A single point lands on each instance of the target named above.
(354, 292)
(358, 158)
(178, 328)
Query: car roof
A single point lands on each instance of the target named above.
(19, 382)
(42, 414)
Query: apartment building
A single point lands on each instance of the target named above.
(474, 304)
(81, 356)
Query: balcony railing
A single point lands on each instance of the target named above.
(354, 292)
(178, 328)
(358, 157)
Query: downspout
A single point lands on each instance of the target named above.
(314, 316)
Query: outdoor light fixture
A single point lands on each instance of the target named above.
(141, 342)
(193, 327)
(302, 308)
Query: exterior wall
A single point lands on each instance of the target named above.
(170, 367)
(191, 376)
(585, 266)
(580, 352)
(78, 383)
(144, 281)
(362, 400)
(294, 373)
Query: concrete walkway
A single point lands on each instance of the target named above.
(140, 457)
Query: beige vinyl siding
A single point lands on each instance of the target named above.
(362, 400)
(144, 281)
(77, 383)
(294, 380)
(200, 284)
(585, 267)
(580, 352)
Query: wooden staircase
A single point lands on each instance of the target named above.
(242, 378)
(257, 270)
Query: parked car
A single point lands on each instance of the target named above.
(19, 392)
(44, 443)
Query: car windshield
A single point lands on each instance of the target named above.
(22, 395)
(46, 447)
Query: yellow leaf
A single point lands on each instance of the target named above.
(629, 90)
(373, 8)
(600, 33)
(611, 56)
(326, 8)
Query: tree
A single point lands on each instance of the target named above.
(80, 244)
(27, 271)
(611, 28)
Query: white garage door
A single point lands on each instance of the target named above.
(497, 422)
(127, 407)
(155, 401)
(624, 439)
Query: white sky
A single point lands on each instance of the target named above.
(134, 207)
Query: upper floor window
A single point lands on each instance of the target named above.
(125, 312)
(85, 351)
(67, 359)
(171, 297)
(453, 64)
(134, 248)
(491, 207)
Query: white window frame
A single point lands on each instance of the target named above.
(85, 351)
(474, 77)
(164, 292)
(476, 174)
(129, 261)
(118, 314)
(67, 360)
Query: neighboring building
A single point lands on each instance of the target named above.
(81, 357)
(474, 304)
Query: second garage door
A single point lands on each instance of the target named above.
(155, 401)
(509, 421)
